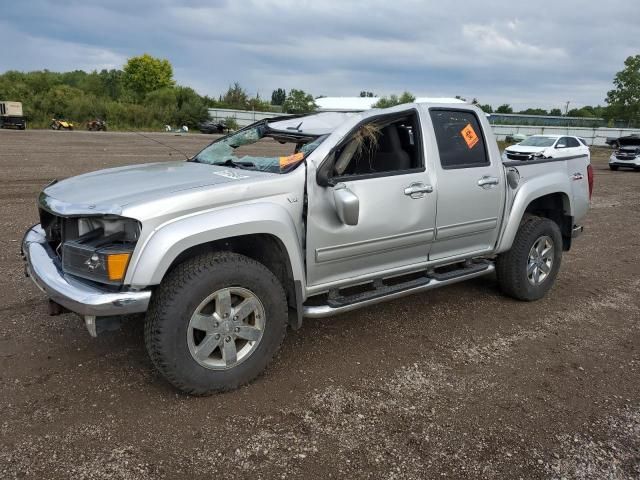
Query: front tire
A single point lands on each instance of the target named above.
(527, 271)
(215, 322)
(614, 167)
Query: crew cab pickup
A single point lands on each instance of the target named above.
(295, 217)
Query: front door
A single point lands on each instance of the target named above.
(470, 186)
(382, 164)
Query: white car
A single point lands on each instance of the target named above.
(627, 154)
(547, 146)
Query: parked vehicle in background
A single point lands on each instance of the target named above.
(547, 146)
(628, 153)
(11, 115)
(61, 124)
(212, 126)
(515, 138)
(97, 125)
(296, 217)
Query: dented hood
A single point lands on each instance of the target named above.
(112, 189)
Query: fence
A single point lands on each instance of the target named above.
(593, 136)
(242, 117)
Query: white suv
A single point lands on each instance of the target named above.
(547, 146)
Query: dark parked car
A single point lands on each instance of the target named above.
(212, 126)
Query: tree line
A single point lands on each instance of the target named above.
(141, 95)
(144, 94)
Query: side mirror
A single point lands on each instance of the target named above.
(347, 204)
(561, 145)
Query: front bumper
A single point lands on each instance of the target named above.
(631, 162)
(75, 295)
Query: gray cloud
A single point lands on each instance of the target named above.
(496, 50)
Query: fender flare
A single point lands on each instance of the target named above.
(165, 243)
(528, 192)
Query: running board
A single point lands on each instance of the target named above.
(339, 304)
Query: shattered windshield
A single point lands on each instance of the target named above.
(538, 141)
(258, 147)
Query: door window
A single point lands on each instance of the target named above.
(572, 142)
(381, 147)
(460, 140)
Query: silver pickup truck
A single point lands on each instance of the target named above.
(297, 217)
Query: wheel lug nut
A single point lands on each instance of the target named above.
(226, 315)
(215, 324)
(228, 339)
(237, 329)
(217, 336)
(235, 318)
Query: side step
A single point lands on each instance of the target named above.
(337, 303)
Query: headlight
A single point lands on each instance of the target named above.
(540, 155)
(101, 248)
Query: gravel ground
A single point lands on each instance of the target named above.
(460, 382)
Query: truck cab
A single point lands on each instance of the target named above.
(11, 115)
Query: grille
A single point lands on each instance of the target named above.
(626, 156)
(519, 155)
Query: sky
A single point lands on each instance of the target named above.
(527, 54)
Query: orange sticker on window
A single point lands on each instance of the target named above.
(286, 161)
(470, 136)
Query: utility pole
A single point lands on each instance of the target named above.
(566, 108)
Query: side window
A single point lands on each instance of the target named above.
(388, 145)
(460, 140)
(572, 142)
(562, 142)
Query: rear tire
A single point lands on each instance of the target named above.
(527, 271)
(176, 335)
(614, 167)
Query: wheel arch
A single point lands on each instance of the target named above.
(254, 230)
(547, 196)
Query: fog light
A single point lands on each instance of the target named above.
(117, 265)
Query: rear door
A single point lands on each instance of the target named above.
(470, 185)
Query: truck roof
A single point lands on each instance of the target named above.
(323, 123)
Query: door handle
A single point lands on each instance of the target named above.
(577, 176)
(417, 190)
(487, 182)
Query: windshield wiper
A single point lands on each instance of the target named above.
(235, 164)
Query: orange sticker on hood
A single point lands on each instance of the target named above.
(470, 136)
(286, 161)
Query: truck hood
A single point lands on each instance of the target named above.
(112, 189)
(630, 141)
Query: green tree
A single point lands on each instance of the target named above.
(534, 111)
(556, 112)
(235, 97)
(486, 108)
(506, 108)
(278, 96)
(393, 100)
(257, 104)
(298, 101)
(366, 94)
(624, 99)
(144, 74)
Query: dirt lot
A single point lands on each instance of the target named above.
(459, 382)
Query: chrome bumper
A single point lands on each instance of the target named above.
(73, 294)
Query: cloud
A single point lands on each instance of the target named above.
(486, 40)
(495, 50)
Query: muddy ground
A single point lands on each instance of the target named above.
(460, 382)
